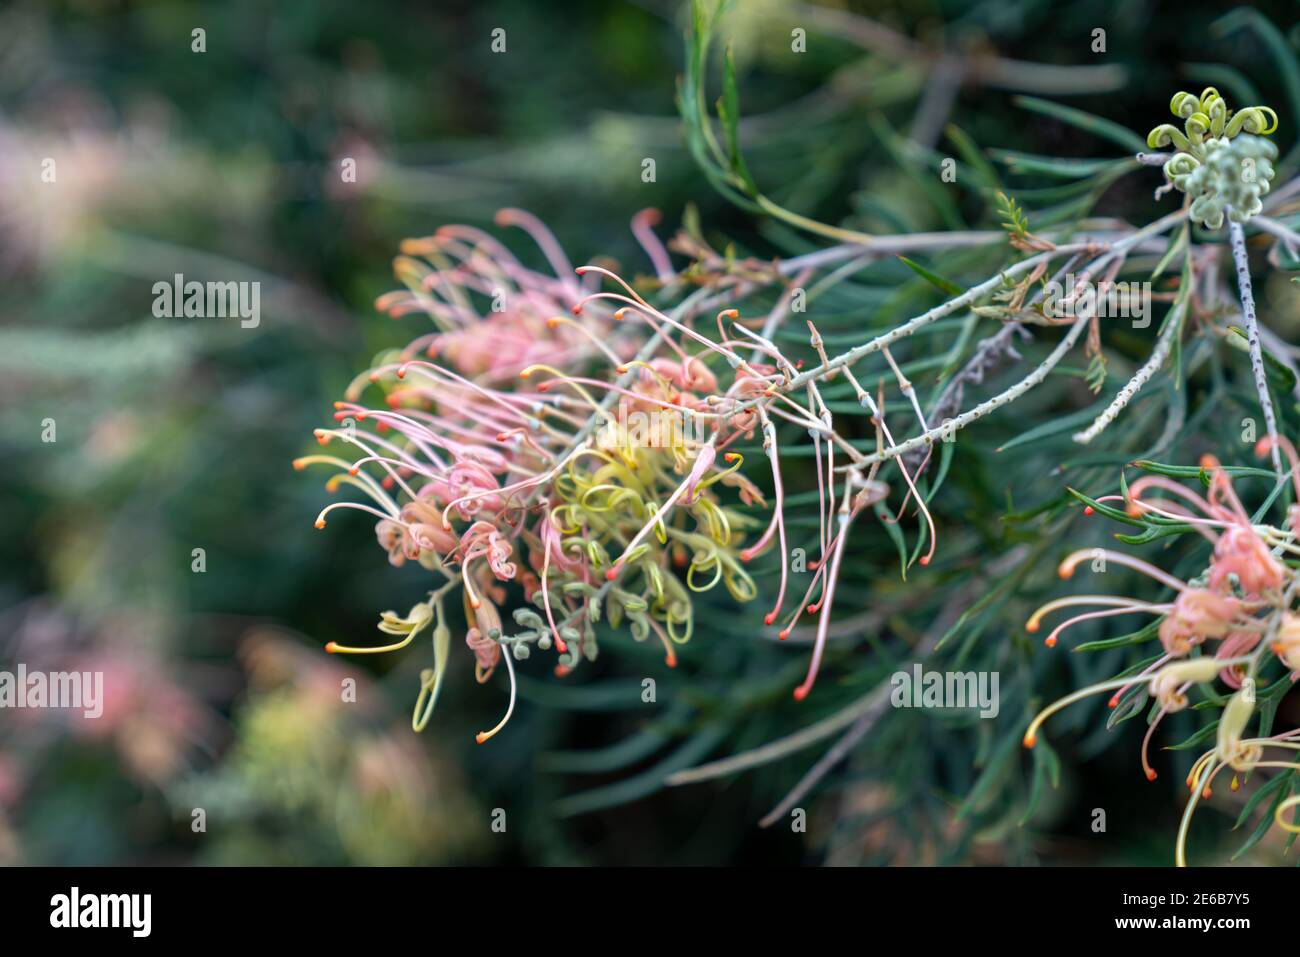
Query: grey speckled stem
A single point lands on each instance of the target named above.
(1237, 239)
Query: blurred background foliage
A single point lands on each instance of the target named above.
(177, 434)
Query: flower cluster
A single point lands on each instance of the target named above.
(1243, 603)
(575, 446)
(1221, 170)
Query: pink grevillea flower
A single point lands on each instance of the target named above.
(1243, 570)
(472, 461)
(1245, 595)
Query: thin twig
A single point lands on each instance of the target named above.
(1237, 239)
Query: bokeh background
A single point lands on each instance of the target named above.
(177, 434)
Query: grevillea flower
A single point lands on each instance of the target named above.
(575, 444)
(1222, 161)
(1243, 601)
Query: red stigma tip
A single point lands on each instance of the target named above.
(1088, 510)
(332, 647)
(611, 573)
(800, 693)
(783, 634)
(1151, 774)
(1029, 741)
(1050, 641)
(769, 618)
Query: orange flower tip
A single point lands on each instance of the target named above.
(374, 377)
(670, 661)
(799, 364)
(554, 321)
(1029, 741)
(800, 693)
(320, 523)
(925, 559)
(560, 645)
(1050, 641)
(525, 373)
(769, 618)
(611, 573)
(576, 310)
(480, 737)
(1066, 571)
(1088, 510)
(1113, 702)
(621, 370)
(1205, 795)
(354, 471)
(1151, 774)
(544, 387)
(299, 465)
(362, 414)
(1031, 625)
(783, 634)
(582, 270)
(812, 609)
(731, 313)
(332, 647)
(731, 456)
(340, 405)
